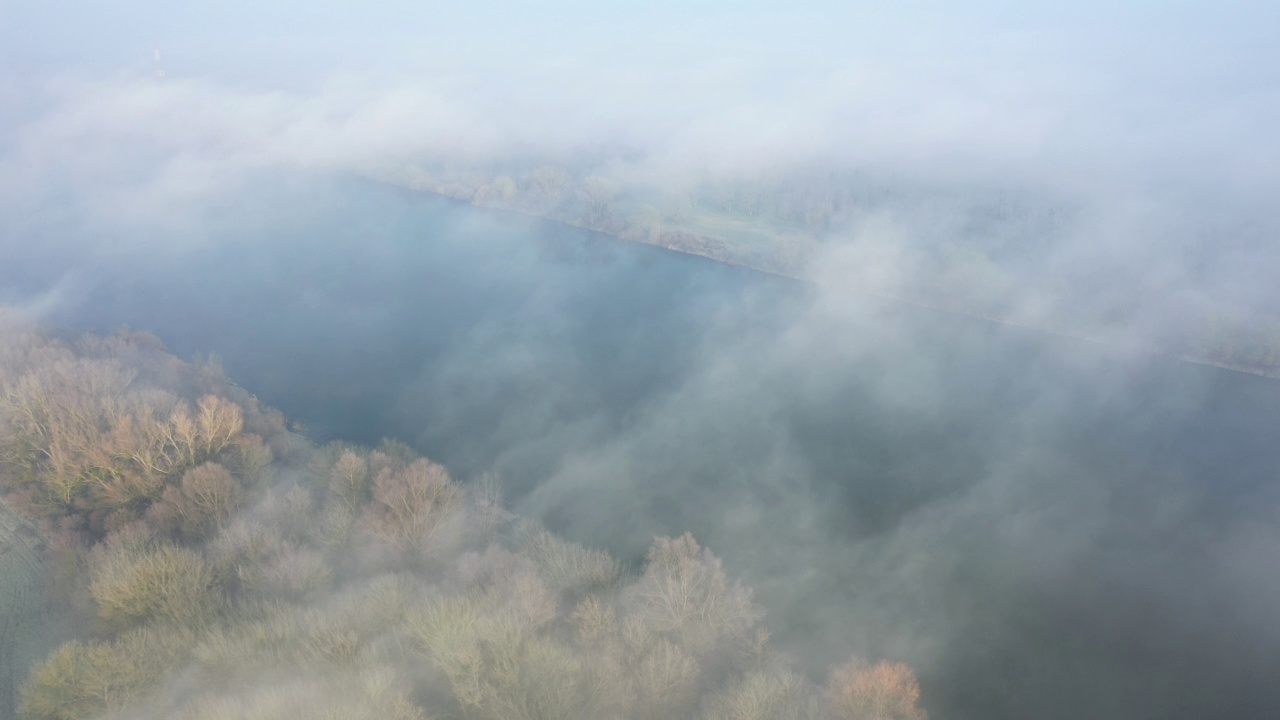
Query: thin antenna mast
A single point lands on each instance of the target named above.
(159, 65)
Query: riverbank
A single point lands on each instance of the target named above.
(793, 264)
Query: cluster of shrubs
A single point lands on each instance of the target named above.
(228, 569)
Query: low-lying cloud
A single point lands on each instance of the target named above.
(978, 499)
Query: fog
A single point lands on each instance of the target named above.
(1041, 525)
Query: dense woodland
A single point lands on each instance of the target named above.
(219, 565)
(984, 252)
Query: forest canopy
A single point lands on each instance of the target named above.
(219, 565)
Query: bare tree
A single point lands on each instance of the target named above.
(598, 194)
(137, 582)
(349, 479)
(692, 598)
(410, 504)
(547, 184)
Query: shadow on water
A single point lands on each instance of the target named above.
(1043, 528)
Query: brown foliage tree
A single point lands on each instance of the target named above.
(84, 436)
(55, 416)
(201, 502)
(150, 448)
(884, 691)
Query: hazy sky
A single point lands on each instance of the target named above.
(1178, 98)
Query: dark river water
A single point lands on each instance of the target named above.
(1042, 527)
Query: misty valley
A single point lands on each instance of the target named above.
(1035, 525)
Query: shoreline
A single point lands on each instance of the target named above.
(1102, 342)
